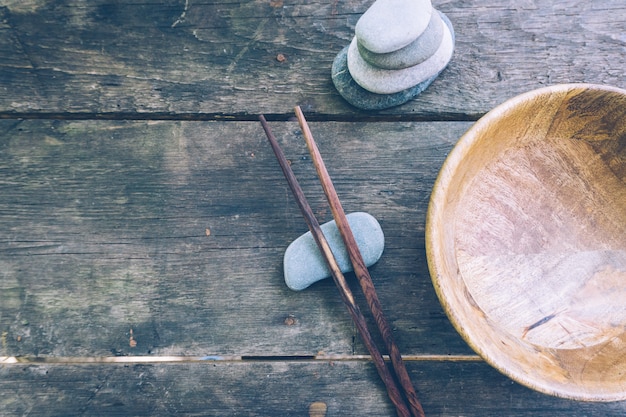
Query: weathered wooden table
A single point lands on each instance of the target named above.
(143, 217)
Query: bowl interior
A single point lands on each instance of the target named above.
(526, 240)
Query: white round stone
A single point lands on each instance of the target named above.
(414, 53)
(383, 81)
(389, 25)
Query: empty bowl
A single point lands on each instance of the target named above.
(526, 240)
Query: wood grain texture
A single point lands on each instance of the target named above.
(180, 58)
(270, 389)
(176, 230)
(527, 239)
(144, 237)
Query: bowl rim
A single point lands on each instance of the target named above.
(433, 252)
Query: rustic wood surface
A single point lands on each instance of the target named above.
(157, 234)
(216, 59)
(105, 229)
(270, 389)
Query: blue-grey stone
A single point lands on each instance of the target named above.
(304, 264)
(363, 99)
(385, 81)
(389, 25)
(414, 53)
(366, 100)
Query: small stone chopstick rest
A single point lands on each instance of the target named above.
(304, 264)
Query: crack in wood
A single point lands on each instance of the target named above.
(38, 360)
(239, 117)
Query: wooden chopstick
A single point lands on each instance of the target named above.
(360, 269)
(338, 277)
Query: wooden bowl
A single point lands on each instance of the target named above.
(526, 240)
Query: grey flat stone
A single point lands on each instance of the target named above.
(383, 81)
(304, 264)
(389, 25)
(414, 53)
(363, 99)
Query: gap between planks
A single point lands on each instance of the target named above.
(245, 117)
(36, 360)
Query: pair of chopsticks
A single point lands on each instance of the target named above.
(404, 399)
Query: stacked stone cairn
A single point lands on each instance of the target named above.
(399, 48)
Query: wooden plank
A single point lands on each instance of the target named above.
(271, 388)
(176, 230)
(175, 58)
